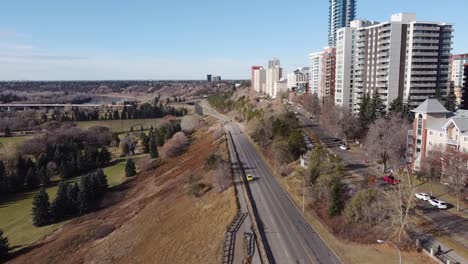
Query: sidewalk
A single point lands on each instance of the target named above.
(428, 242)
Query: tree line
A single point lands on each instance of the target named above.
(71, 200)
(67, 152)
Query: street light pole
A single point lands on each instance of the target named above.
(393, 244)
(303, 198)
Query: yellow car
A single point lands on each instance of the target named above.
(250, 177)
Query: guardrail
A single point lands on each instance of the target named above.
(255, 219)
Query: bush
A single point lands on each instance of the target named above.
(213, 161)
(175, 146)
(190, 123)
(216, 132)
(286, 170)
(358, 210)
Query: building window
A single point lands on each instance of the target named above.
(430, 143)
(431, 133)
(441, 135)
(465, 139)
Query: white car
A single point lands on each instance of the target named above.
(439, 203)
(344, 147)
(423, 196)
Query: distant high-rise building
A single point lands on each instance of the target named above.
(299, 80)
(259, 80)
(315, 72)
(401, 58)
(457, 63)
(279, 87)
(273, 74)
(216, 78)
(253, 76)
(345, 56)
(208, 77)
(464, 92)
(327, 88)
(341, 13)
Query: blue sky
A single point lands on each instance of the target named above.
(180, 39)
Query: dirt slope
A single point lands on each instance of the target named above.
(151, 219)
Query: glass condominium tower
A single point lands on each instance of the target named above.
(341, 13)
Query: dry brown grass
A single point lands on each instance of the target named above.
(151, 219)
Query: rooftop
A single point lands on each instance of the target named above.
(431, 106)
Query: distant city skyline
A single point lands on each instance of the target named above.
(89, 40)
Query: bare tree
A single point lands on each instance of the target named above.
(387, 139)
(174, 146)
(455, 170)
(347, 123)
(311, 103)
(431, 169)
(190, 123)
(400, 200)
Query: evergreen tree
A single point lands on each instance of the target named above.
(3, 178)
(73, 193)
(159, 136)
(32, 181)
(141, 128)
(43, 175)
(153, 148)
(41, 208)
(116, 115)
(145, 142)
(102, 179)
(396, 106)
(130, 169)
(363, 110)
(337, 194)
(61, 206)
(104, 157)
(376, 108)
(450, 102)
(7, 131)
(4, 246)
(85, 195)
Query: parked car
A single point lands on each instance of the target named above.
(438, 203)
(344, 147)
(423, 196)
(390, 180)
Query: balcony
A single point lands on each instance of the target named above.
(452, 141)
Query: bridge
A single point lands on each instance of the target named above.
(11, 106)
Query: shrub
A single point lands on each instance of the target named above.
(175, 146)
(190, 123)
(213, 161)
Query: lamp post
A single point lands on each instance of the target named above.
(393, 244)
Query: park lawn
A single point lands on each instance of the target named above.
(15, 210)
(13, 142)
(120, 126)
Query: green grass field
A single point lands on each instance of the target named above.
(12, 142)
(15, 210)
(120, 126)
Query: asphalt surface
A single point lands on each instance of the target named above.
(288, 237)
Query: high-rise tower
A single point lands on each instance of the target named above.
(341, 13)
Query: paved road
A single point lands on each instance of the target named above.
(289, 237)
